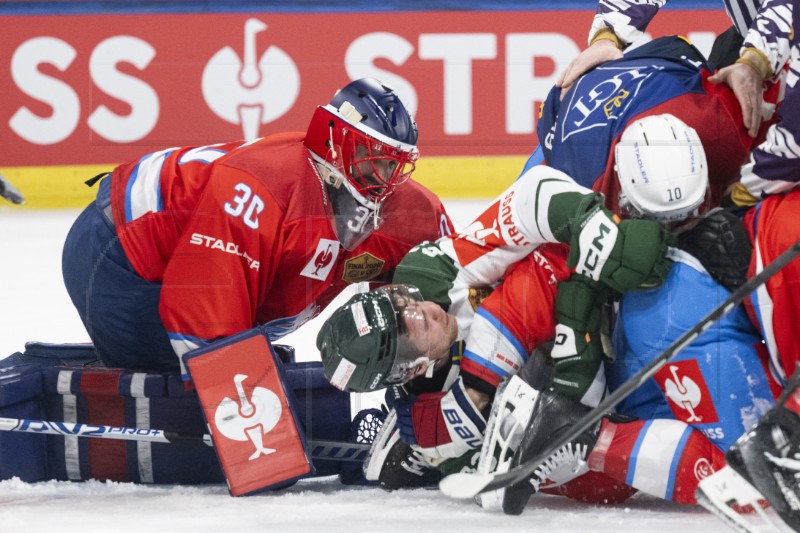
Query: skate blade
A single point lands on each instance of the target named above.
(733, 500)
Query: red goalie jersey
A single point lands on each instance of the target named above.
(243, 233)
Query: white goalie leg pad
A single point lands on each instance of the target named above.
(381, 446)
(511, 412)
(737, 503)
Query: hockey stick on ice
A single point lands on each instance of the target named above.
(320, 449)
(466, 485)
(9, 192)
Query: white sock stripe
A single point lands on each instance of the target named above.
(652, 463)
(144, 451)
(763, 303)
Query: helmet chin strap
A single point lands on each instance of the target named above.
(377, 220)
(430, 365)
(430, 369)
(626, 208)
(331, 144)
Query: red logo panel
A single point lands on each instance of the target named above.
(683, 385)
(251, 423)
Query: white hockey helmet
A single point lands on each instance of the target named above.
(662, 169)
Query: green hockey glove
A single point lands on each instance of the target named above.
(625, 255)
(578, 351)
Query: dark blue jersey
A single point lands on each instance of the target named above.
(577, 135)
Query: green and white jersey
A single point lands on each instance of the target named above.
(540, 207)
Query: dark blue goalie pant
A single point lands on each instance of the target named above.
(118, 308)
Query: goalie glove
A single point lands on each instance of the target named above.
(578, 349)
(441, 425)
(624, 255)
(720, 241)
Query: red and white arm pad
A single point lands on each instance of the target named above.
(441, 425)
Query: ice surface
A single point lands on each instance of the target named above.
(35, 306)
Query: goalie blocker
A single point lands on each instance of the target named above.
(252, 421)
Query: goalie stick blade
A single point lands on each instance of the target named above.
(463, 486)
(320, 449)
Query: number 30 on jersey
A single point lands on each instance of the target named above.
(245, 204)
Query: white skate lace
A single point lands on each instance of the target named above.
(414, 463)
(792, 464)
(569, 454)
(785, 462)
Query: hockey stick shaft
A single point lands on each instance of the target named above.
(469, 485)
(320, 449)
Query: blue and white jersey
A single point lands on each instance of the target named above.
(717, 384)
(577, 134)
(768, 26)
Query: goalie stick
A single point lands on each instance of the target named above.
(468, 485)
(320, 449)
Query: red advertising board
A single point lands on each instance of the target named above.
(85, 89)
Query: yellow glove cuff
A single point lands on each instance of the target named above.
(758, 61)
(608, 35)
(742, 197)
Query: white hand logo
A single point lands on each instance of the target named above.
(249, 419)
(477, 233)
(684, 392)
(250, 93)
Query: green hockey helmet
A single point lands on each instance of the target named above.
(365, 345)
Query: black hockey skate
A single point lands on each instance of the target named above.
(405, 468)
(553, 414)
(768, 457)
